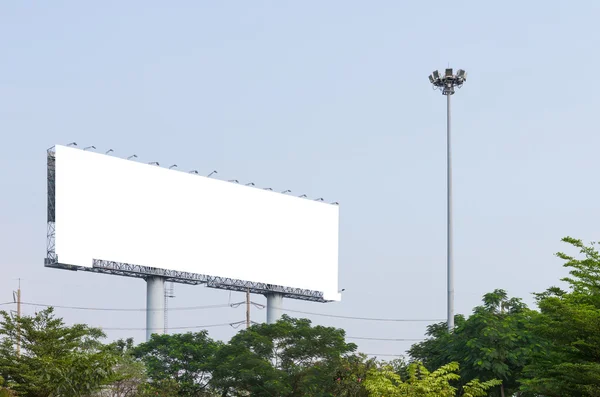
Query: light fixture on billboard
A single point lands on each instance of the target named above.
(211, 174)
(286, 191)
(335, 203)
(72, 144)
(194, 172)
(89, 147)
(172, 166)
(233, 180)
(154, 163)
(268, 188)
(133, 156)
(250, 184)
(320, 199)
(303, 195)
(109, 151)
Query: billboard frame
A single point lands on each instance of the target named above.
(137, 271)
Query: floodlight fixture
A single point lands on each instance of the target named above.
(109, 151)
(154, 163)
(320, 199)
(72, 144)
(172, 166)
(133, 156)
(450, 80)
(212, 173)
(303, 195)
(194, 172)
(233, 180)
(286, 191)
(89, 147)
(268, 188)
(250, 184)
(335, 203)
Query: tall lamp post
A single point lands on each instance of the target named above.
(447, 84)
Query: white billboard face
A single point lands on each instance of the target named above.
(107, 208)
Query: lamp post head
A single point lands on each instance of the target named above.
(449, 81)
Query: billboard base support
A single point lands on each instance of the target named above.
(155, 306)
(274, 306)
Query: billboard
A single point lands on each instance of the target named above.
(112, 209)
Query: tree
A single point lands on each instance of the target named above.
(289, 358)
(55, 359)
(420, 382)
(569, 326)
(129, 376)
(351, 374)
(179, 363)
(493, 343)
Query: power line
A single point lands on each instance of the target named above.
(383, 339)
(364, 318)
(384, 355)
(129, 310)
(188, 327)
(233, 305)
(8, 303)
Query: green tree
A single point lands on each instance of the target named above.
(289, 358)
(493, 343)
(420, 382)
(129, 377)
(569, 325)
(183, 360)
(351, 374)
(55, 359)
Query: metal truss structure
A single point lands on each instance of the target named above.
(138, 271)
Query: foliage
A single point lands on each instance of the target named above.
(55, 360)
(493, 343)
(570, 325)
(351, 374)
(183, 359)
(419, 382)
(289, 358)
(129, 376)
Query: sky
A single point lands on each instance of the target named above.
(330, 99)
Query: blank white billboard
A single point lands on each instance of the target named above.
(112, 209)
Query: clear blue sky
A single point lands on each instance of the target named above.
(330, 99)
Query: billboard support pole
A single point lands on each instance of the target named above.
(155, 306)
(274, 305)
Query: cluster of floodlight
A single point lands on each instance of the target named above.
(448, 81)
(156, 163)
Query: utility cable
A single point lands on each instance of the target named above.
(383, 339)
(363, 318)
(170, 328)
(131, 310)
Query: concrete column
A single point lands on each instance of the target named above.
(155, 306)
(274, 305)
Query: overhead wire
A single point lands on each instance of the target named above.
(116, 309)
(170, 328)
(234, 305)
(384, 339)
(363, 318)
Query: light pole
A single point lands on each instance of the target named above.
(446, 85)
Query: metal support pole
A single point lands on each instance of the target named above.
(155, 306)
(248, 308)
(274, 305)
(19, 320)
(450, 252)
